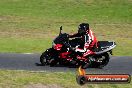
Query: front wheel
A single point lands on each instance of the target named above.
(45, 57)
(53, 62)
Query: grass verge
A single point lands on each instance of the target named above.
(19, 79)
(32, 24)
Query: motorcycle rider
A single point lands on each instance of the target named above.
(88, 38)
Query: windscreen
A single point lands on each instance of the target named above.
(61, 39)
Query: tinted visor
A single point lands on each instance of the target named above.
(81, 31)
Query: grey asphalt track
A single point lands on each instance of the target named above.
(11, 61)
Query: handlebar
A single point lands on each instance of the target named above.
(60, 30)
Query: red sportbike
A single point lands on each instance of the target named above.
(62, 53)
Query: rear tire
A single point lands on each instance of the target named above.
(105, 59)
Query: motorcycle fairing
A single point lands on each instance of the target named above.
(57, 46)
(105, 46)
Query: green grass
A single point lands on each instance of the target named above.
(31, 25)
(23, 45)
(113, 10)
(19, 79)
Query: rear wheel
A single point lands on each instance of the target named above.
(103, 61)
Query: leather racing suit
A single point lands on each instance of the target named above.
(89, 40)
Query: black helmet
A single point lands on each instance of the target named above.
(82, 28)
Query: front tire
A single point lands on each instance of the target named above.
(45, 57)
(53, 62)
(43, 60)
